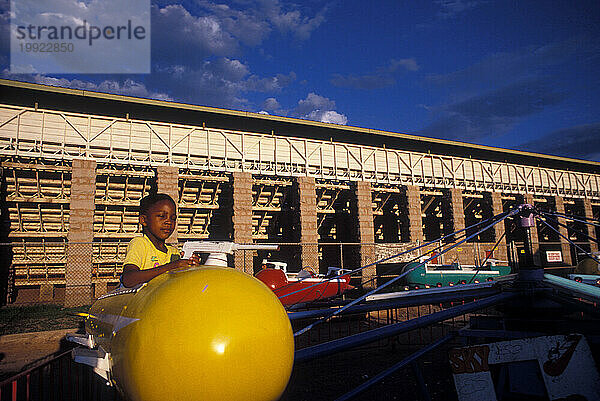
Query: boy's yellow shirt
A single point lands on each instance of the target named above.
(142, 253)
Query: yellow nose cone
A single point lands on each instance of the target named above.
(205, 334)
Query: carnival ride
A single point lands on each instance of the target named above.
(481, 371)
(427, 275)
(587, 271)
(201, 333)
(303, 287)
(528, 293)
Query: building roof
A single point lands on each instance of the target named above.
(84, 101)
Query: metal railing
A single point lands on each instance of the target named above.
(57, 379)
(47, 271)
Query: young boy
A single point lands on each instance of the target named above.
(148, 256)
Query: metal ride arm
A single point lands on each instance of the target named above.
(500, 218)
(361, 298)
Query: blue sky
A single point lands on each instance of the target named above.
(513, 74)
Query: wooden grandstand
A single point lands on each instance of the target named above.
(308, 183)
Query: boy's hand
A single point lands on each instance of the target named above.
(184, 263)
(195, 258)
(132, 275)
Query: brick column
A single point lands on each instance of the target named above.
(167, 182)
(415, 219)
(535, 239)
(564, 245)
(309, 235)
(100, 288)
(242, 220)
(366, 234)
(46, 292)
(494, 199)
(589, 214)
(78, 290)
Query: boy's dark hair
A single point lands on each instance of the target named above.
(150, 200)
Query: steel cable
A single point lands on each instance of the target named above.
(361, 298)
(500, 216)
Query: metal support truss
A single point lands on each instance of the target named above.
(51, 134)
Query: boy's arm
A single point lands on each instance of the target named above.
(132, 275)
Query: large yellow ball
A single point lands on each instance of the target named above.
(206, 334)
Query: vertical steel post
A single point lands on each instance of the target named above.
(423, 392)
(529, 271)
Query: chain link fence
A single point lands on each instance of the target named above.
(58, 272)
(74, 274)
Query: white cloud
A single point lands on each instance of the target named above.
(292, 20)
(221, 30)
(221, 83)
(271, 104)
(127, 87)
(314, 102)
(327, 116)
(197, 49)
(247, 26)
(178, 36)
(409, 64)
(90, 53)
(270, 84)
(197, 53)
(319, 108)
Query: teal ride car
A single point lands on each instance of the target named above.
(427, 275)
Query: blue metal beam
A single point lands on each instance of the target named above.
(421, 298)
(356, 340)
(503, 334)
(380, 376)
(572, 287)
(575, 304)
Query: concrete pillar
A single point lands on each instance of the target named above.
(167, 182)
(494, 199)
(366, 234)
(535, 239)
(589, 214)
(309, 235)
(564, 245)
(415, 219)
(242, 220)
(78, 289)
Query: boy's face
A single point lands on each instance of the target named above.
(160, 219)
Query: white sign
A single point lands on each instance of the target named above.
(562, 367)
(554, 256)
